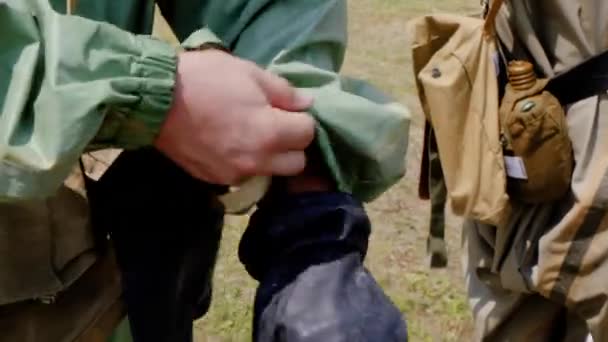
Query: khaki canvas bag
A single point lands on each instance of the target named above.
(456, 75)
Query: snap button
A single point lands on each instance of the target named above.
(436, 73)
(527, 106)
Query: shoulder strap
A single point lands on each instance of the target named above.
(587, 79)
(70, 5)
(488, 27)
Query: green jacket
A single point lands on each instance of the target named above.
(97, 79)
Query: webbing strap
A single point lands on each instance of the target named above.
(488, 27)
(70, 5)
(584, 80)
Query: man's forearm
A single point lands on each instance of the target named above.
(65, 78)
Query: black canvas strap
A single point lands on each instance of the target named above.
(584, 80)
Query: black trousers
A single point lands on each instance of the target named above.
(166, 227)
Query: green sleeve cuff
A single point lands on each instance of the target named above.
(155, 69)
(138, 125)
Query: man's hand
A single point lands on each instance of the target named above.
(231, 120)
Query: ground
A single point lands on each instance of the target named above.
(433, 302)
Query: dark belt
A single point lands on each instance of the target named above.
(587, 79)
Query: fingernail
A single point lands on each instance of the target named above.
(303, 100)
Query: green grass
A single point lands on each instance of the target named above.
(434, 302)
(231, 310)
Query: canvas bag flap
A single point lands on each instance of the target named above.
(456, 76)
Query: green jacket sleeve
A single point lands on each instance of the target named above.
(68, 84)
(363, 135)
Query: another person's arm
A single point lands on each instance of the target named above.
(61, 77)
(68, 84)
(362, 134)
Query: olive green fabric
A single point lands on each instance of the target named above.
(45, 245)
(552, 256)
(436, 246)
(59, 77)
(68, 83)
(86, 312)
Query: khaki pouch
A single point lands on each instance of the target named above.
(537, 148)
(454, 60)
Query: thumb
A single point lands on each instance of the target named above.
(281, 94)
